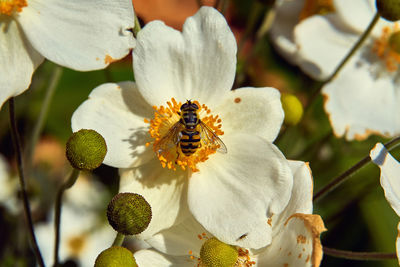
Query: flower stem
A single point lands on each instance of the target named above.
(363, 256)
(27, 209)
(347, 174)
(54, 80)
(108, 75)
(57, 212)
(137, 27)
(224, 6)
(355, 47)
(343, 62)
(119, 239)
(256, 12)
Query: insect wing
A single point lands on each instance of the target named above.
(210, 138)
(170, 140)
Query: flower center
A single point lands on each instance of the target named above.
(8, 7)
(387, 47)
(184, 135)
(316, 7)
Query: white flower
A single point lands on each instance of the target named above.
(222, 191)
(295, 235)
(83, 233)
(290, 13)
(390, 173)
(363, 99)
(9, 186)
(82, 35)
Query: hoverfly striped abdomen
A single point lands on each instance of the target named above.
(189, 142)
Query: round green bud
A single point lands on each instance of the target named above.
(394, 42)
(86, 150)
(129, 213)
(215, 253)
(389, 9)
(115, 257)
(293, 109)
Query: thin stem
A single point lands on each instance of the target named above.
(108, 75)
(256, 11)
(315, 144)
(27, 208)
(341, 178)
(347, 174)
(362, 256)
(355, 47)
(137, 27)
(57, 211)
(54, 80)
(119, 239)
(224, 6)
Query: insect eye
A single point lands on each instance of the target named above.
(194, 106)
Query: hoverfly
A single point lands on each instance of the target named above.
(189, 133)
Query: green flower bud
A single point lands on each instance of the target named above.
(394, 42)
(86, 150)
(389, 9)
(293, 109)
(115, 257)
(129, 213)
(215, 253)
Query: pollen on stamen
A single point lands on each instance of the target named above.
(244, 258)
(169, 153)
(384, 47)
(8, 7)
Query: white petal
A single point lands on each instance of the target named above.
(18, 61)
(302, 194)
(82, 35)
(323, 42)
(252, 110)
(117, 112)
(151, 258)
(165, 190)
(197, 64)
(233, 193)
(74, 223)
(286, 18)
(96, 242)
(390, 173)
(357, 14)
(298, 244)
(181, 238)
(360, 104)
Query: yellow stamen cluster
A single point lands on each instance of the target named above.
(171, 155)
(316, 7)
(386, 49)
(244, 259)
(8, 7)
